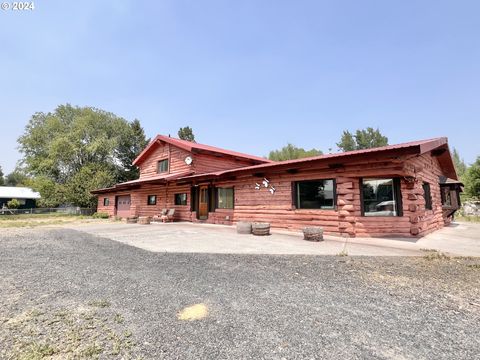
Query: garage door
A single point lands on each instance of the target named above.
(123, 206)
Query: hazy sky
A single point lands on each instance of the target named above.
(249, 75)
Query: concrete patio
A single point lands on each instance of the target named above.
(459, 239)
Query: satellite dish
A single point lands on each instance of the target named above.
(188, 160)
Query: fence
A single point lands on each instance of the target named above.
(59, 211)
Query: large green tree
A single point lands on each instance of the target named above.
(471, 179)
(459, 163)
(2, 181)
(290, 152)
(186, 133)
(16, 178)
(73, 143)
(362, 139)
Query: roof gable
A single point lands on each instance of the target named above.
(195, 148)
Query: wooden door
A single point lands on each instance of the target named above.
(123, 206)
(203, 203)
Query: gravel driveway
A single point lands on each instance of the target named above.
(67, 294)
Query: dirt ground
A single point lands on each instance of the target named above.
(66, 294)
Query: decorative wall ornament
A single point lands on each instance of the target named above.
(266, 184)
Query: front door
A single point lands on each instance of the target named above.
(203, 203)
(123, 206)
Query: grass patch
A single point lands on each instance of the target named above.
(474, 266)
(93, 350)
(38, 351)
(468, 218)
(102, 303)
(118, 318)
(33, 220)
(433, 254)
(68, 333)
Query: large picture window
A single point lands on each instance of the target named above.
(180, 199)
(225, 198)
(162, 166)
(381, 197)
(317, 194)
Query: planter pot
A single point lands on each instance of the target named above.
(244, 227)
(261, 229)
(313, 233)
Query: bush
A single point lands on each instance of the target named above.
(13, 204)
(100, 215)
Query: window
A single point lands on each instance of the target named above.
(427, 195)
(106, 201)
(225, 198)
(180, 199)
(316, 194)
(152, 200)
(381, 197)
(162, 166)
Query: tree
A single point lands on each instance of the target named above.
(186, 133)
(471, 179)
(347, 142)
(13, 204)
(58, 146)
(16, 178)
(363, 139)
(135, 141)
(77, 190)
(2, 180)
(290, 152)
(459, 163)
(53, 194)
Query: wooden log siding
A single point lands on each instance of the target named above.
(176, 161)
(345, 220)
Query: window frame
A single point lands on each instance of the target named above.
(296, 195)
(151, 203)
(106, 201)
(160, 162)
(180, 204)
(217, 197)
(427, 196)
(397, 193)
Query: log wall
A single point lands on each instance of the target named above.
(345, 220)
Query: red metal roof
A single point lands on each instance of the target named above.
(415, 147)
(421, 147)
(191, 147)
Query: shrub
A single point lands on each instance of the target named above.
(100, 215)
(13, 204)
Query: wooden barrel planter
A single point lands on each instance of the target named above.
(313, 233)
(132, 220)
(261, 229)
(244, 227)
(144, 220)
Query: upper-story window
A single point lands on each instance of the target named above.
(162, 166)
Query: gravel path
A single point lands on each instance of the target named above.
(67, 294)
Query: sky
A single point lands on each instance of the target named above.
(250, 76)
